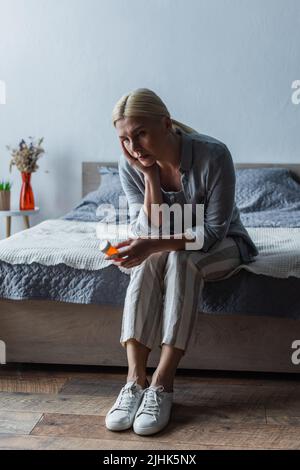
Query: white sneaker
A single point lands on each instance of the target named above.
(154, 411)
(121, 414)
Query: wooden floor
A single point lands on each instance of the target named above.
(63, 407)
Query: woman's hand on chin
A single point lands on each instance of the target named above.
(137, 164)
(136, 252)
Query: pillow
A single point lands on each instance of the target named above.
(109, 190)
(267, 197)
(265, 188)
(90, 207)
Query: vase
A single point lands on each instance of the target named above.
(26, 196)
(4, 200)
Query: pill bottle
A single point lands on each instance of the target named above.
(107, 248)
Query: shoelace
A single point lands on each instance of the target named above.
(125, 401)
(152, 401)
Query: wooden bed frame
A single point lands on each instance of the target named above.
(42, 331)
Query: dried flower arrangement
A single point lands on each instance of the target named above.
(26, 156)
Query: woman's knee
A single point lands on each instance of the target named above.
(178, 259)
(153, 263)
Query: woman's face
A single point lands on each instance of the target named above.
(144, 138)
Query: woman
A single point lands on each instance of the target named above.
(165, 161)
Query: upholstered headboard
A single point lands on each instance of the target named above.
(91, 176)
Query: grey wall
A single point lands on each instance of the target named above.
(224, 67)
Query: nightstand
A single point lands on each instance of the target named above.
(17, 213)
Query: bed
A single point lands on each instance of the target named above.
(248, 322)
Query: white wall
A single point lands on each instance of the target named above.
(224, 67)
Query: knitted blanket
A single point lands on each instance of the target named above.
(76, 244)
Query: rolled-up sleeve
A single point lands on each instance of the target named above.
(219, 203)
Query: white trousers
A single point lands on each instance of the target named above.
(164, 292)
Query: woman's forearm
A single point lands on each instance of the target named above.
(172, 244)
(153, 193)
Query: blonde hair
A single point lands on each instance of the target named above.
(144, 102)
